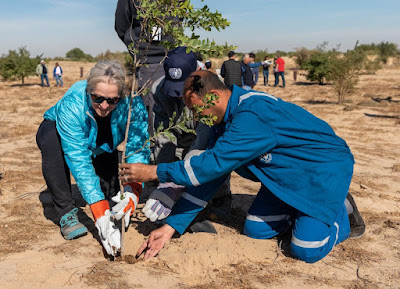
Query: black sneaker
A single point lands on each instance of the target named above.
(204, 226)
(220, 208)
(357, 224)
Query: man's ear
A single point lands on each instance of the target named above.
(216, 94)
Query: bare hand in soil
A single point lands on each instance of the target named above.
(156, 241)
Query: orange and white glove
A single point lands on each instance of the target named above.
(109, 234)
(126, 206)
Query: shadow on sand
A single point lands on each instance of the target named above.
(25, 85)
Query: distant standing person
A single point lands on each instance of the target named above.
(255, 71)
(266, 65)
(231, 71)
(57, 73)
(280, 70)
(208, 65)
(42, 70)
(200, 63)
(247, 75)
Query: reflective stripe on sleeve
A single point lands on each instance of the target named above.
(309, 244)
(267, 218)
(194, 200)
(190, 173)
(315, 244)
(247, 95)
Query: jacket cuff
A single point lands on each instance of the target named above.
(99, 208)
(137, 187)
(162, 173)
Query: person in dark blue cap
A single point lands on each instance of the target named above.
(168, 92)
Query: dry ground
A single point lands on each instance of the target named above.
(34, 255)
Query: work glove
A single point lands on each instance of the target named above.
(161, 201)
(125, 207)
(109, 234)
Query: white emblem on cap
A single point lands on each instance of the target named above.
(175, 73)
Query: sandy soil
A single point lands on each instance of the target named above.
(33, 254)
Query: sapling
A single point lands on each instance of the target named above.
(170, 17)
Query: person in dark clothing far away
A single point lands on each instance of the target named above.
(42, 70)
(247, 74)
(231, 71)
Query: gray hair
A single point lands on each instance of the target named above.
(246, 55)
(107, 71)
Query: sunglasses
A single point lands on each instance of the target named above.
(99, 99)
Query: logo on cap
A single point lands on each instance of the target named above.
(175, 73)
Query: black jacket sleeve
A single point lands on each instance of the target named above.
(123, 17)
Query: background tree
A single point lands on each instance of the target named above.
(17, 65)
(77, 54)
(342, 69)
(386, 50)
(302, 56)
(383, 49)
(346, 68)
(319, 67)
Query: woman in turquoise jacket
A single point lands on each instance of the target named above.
(80, 134)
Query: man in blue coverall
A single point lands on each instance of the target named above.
(304, 167)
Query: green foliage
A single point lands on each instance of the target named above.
(383, 49)
(281, 52)
(386, 50)
(58, 58)
(108, 55)
(302, 56)
(260, 55)
(318, 66)
(18, 65)
(174, 123)
(371, 66)
(369, 49)
(343, 69)
(347, 68)
(76, 54)
(208, 101)
(161, 14)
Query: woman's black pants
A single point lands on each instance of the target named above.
(56, 172)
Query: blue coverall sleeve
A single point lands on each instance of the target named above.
(247, 137)
(255, 64)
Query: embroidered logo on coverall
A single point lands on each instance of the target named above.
(266, 158)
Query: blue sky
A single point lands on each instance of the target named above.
(53, 27)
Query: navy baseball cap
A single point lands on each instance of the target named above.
(178, 66)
